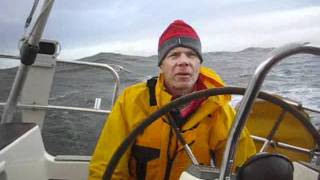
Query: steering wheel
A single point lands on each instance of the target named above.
(196, 95)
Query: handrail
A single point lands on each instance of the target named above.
(114, 73)
(250, 96)
(100, 65)
(70, 108)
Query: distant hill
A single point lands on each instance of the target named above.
(107, 57)
(256, 49)
(142, 67)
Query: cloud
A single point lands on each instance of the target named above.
(264, 29)
(270, 29)
(128, 26)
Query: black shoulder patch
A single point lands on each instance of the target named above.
(151, 84)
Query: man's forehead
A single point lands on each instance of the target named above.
(181, 50)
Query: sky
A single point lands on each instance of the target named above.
(85, 28)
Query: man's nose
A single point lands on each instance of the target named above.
(183, 60)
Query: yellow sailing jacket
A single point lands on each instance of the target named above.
(156, 153)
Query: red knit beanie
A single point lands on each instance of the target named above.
(178, 34)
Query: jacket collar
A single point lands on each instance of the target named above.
(211, 80)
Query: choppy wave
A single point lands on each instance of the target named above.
(74, 133)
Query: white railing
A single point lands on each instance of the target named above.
(89, 110)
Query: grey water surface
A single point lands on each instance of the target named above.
(73, 133)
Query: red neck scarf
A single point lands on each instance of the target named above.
(195, 104)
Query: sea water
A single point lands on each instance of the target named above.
(68, 132)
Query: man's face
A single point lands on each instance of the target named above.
(181, 70)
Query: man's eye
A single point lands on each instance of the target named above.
(172, 55)
(192, 55)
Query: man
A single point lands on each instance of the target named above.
(204, 123)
